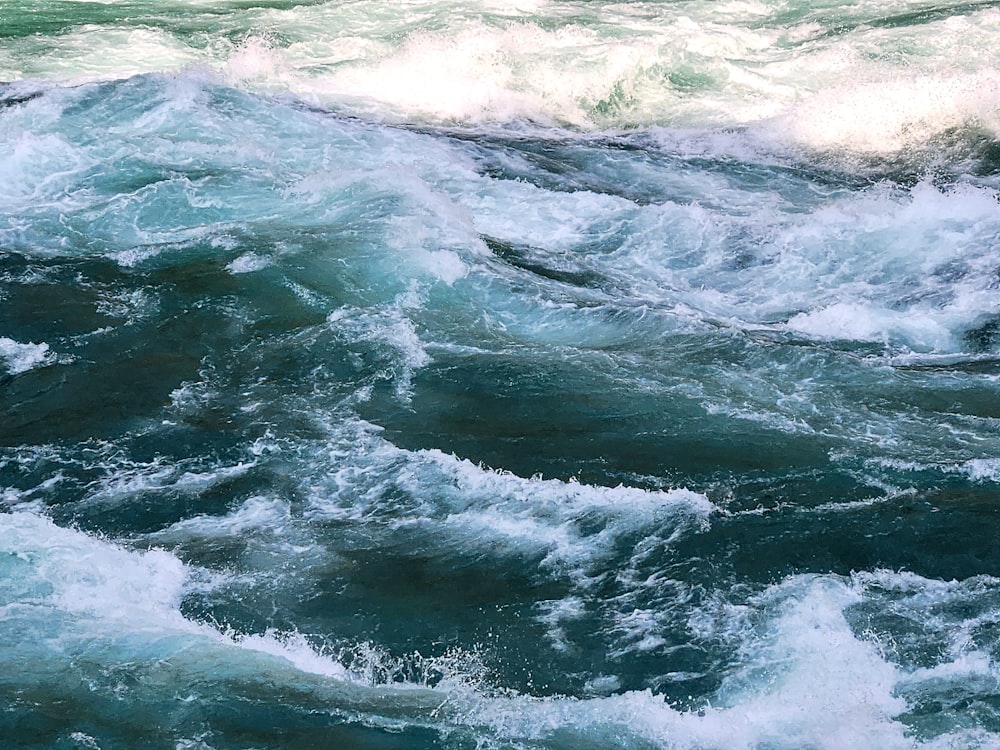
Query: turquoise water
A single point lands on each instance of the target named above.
(499, 375)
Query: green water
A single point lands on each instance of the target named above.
(574, 375)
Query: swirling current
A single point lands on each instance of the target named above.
(536, 374)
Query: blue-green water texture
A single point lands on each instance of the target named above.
(528, 375)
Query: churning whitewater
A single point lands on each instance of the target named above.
(540, 374)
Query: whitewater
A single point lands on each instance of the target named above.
(538, 374)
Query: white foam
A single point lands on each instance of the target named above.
(128, 480)
(74, 573)
(128, 305)
(296, 649)
(627, 66)
(910, 269)
(806, 679)
(389, 327)
(963, 668)
(473, 74)
(255, 59)
(248, 263)
(545, 510)
(19, 358)
(864, 322)
(811, 657)
(555, 613)
(566, 527)
(641, 628)
(37, 168)
(84, 740)
(94, 53)
(80, 592)
(254, 514)
(871, 89)
(882, 114)
(982, 469)
(870, 266)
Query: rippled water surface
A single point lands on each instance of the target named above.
(499, 375)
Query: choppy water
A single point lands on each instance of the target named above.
(499, 375)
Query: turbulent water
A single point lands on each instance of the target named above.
(532, 374)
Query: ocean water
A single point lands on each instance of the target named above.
(499, 375)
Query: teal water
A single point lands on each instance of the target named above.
(499, 375)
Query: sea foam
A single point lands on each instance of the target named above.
(19, 358)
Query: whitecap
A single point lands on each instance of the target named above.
(19, 358)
